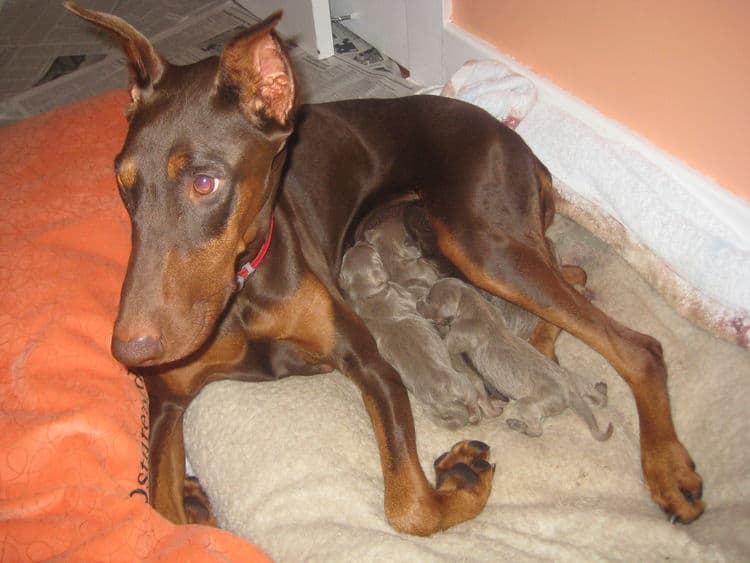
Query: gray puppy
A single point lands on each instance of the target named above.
(540, 387)
(402, 257)
(409, 342)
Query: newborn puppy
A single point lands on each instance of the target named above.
(402, 257)
(406, 266)
(409, 342)
(541, 388)
(521, 322)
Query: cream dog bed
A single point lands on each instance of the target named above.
(293, 466)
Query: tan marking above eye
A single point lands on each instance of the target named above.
(127, 174)
(176, 163)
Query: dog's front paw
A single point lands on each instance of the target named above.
(197, 505)
(675, 486)
(466, 467)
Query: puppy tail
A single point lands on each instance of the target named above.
(584, 411)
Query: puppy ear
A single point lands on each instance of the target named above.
(254, 66)
(145, 64)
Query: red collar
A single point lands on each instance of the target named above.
(247, 269)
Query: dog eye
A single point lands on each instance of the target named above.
(204, 184)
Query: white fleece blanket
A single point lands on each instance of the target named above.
(293, 465)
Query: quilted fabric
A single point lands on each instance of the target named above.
(73, 422)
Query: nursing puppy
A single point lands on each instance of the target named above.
(401, 235)
(402, 257)
(541, 388)
(521, 322)
(409, 342)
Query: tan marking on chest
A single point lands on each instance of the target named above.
(306, 319)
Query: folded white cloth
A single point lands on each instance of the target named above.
(492, 86)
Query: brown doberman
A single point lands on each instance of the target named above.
(221, 169)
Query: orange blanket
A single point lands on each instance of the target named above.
(73, 422)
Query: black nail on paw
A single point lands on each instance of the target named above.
(477, 445)
(439, 459)
(463, 473)
(482, 465)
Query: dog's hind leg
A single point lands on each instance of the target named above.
(505, 252)
(525, 275)
(545, 334)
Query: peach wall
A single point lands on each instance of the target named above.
(675, 71)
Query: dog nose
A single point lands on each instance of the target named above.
(139, 351)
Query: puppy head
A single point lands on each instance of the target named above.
(362, 271)
(390, 239)
(442, 303)
(418, 226)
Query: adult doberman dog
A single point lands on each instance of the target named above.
(220, 166)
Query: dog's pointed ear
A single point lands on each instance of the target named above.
(255, 68)
(145, 64)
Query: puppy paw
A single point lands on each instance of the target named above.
(517, 425)
(454, 401)
(597, 394)
(452, 415)
(492, 407)
(522, 427)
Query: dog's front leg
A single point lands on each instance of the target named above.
(166, 451)
(178, 499)
(412, 504)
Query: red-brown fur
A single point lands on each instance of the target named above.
(319, 170)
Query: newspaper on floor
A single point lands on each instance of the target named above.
(50, 58)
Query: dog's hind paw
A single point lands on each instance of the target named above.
(674, 484)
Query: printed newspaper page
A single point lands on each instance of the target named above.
(49, 58)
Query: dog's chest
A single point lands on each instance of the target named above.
(306, 318)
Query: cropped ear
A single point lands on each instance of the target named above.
(145, 64)
(255, 67)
